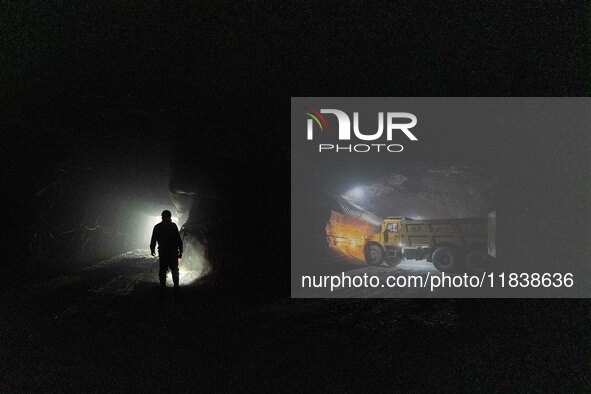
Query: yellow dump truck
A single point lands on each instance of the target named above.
(451, 244)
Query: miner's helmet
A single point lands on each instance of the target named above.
(166, 215)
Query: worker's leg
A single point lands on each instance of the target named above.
(162, 271)
(174, 269)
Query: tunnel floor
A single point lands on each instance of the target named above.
(119, 275)
(104, 328)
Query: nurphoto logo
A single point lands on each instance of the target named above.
(393, 126)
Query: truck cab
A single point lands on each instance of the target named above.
(387, 244)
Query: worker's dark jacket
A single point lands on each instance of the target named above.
(168, 238)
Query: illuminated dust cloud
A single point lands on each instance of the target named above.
(194, 263)
(346, 234)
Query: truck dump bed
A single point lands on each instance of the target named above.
(454, 232)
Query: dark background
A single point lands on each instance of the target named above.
(119, 87)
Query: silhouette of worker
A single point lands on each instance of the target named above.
(170, 248)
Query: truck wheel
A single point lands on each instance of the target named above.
(476, 261)
(374, 255)
(445, 259)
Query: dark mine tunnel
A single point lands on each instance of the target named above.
(104, 198)
(113, 112)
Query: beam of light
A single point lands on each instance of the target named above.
(154, 220)
(186, 276)
(149, 222)
(357, 193)
(193, 265)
